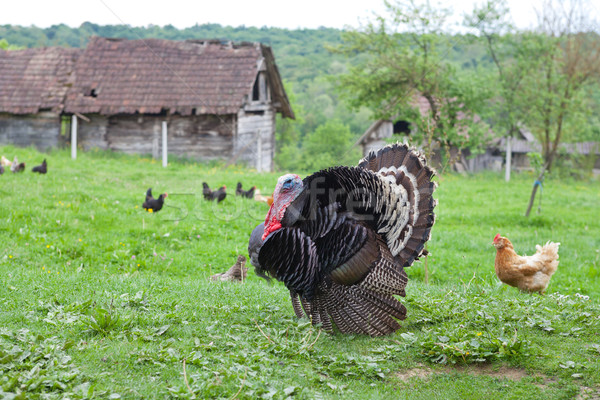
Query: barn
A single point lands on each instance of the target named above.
(217, 99)
(383, 131)
(33, 86)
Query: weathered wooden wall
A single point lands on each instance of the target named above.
(247, 137)
(255, 139)
(204, 137)
(40, 130)
(92, 134)
(377, 138)
(520, 162)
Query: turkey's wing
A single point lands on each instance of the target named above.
(291, 256)
(391, 205)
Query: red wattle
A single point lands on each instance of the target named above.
(271, 223)
(272, 227)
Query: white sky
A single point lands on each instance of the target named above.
(258, 13)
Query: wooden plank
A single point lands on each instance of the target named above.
(249, 126)
(39, 130)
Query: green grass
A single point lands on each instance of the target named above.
(99, 299)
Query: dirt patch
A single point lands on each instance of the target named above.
(588, 393)
(420, 372)
(494, 371)
(498, 372)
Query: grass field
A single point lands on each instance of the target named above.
(100, 299)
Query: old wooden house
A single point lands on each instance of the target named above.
(33, 86)
(493, 157)
(522, 143)
(218, 99)
(583, 154)
(383, 131)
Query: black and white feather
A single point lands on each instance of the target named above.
(345, 236)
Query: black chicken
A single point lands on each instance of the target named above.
(220, 194)
(1, 169)
(42, 168)
(249, 194)
(238, 189)
(154, 204)
(206, 192)
(211, 195)
(340, 239)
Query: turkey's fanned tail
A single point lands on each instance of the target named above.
(407, 169)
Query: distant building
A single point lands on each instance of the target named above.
(523, 142)
(33, 87)
(383, 131)
(219, 99)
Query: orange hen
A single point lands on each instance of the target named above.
(528, 273)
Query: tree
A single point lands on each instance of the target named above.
(511, 54)
(405, 61)
(4, 45)
(330, 144)
(287, 135)
(570, 59)
(544, 74)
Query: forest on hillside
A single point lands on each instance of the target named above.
(326, 71)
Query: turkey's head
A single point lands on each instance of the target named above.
(287, 189)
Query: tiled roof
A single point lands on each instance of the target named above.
(120, 76)
(35, 80)
(116, 76)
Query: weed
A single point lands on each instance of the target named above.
(102, 321)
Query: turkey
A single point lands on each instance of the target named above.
(340, 239)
